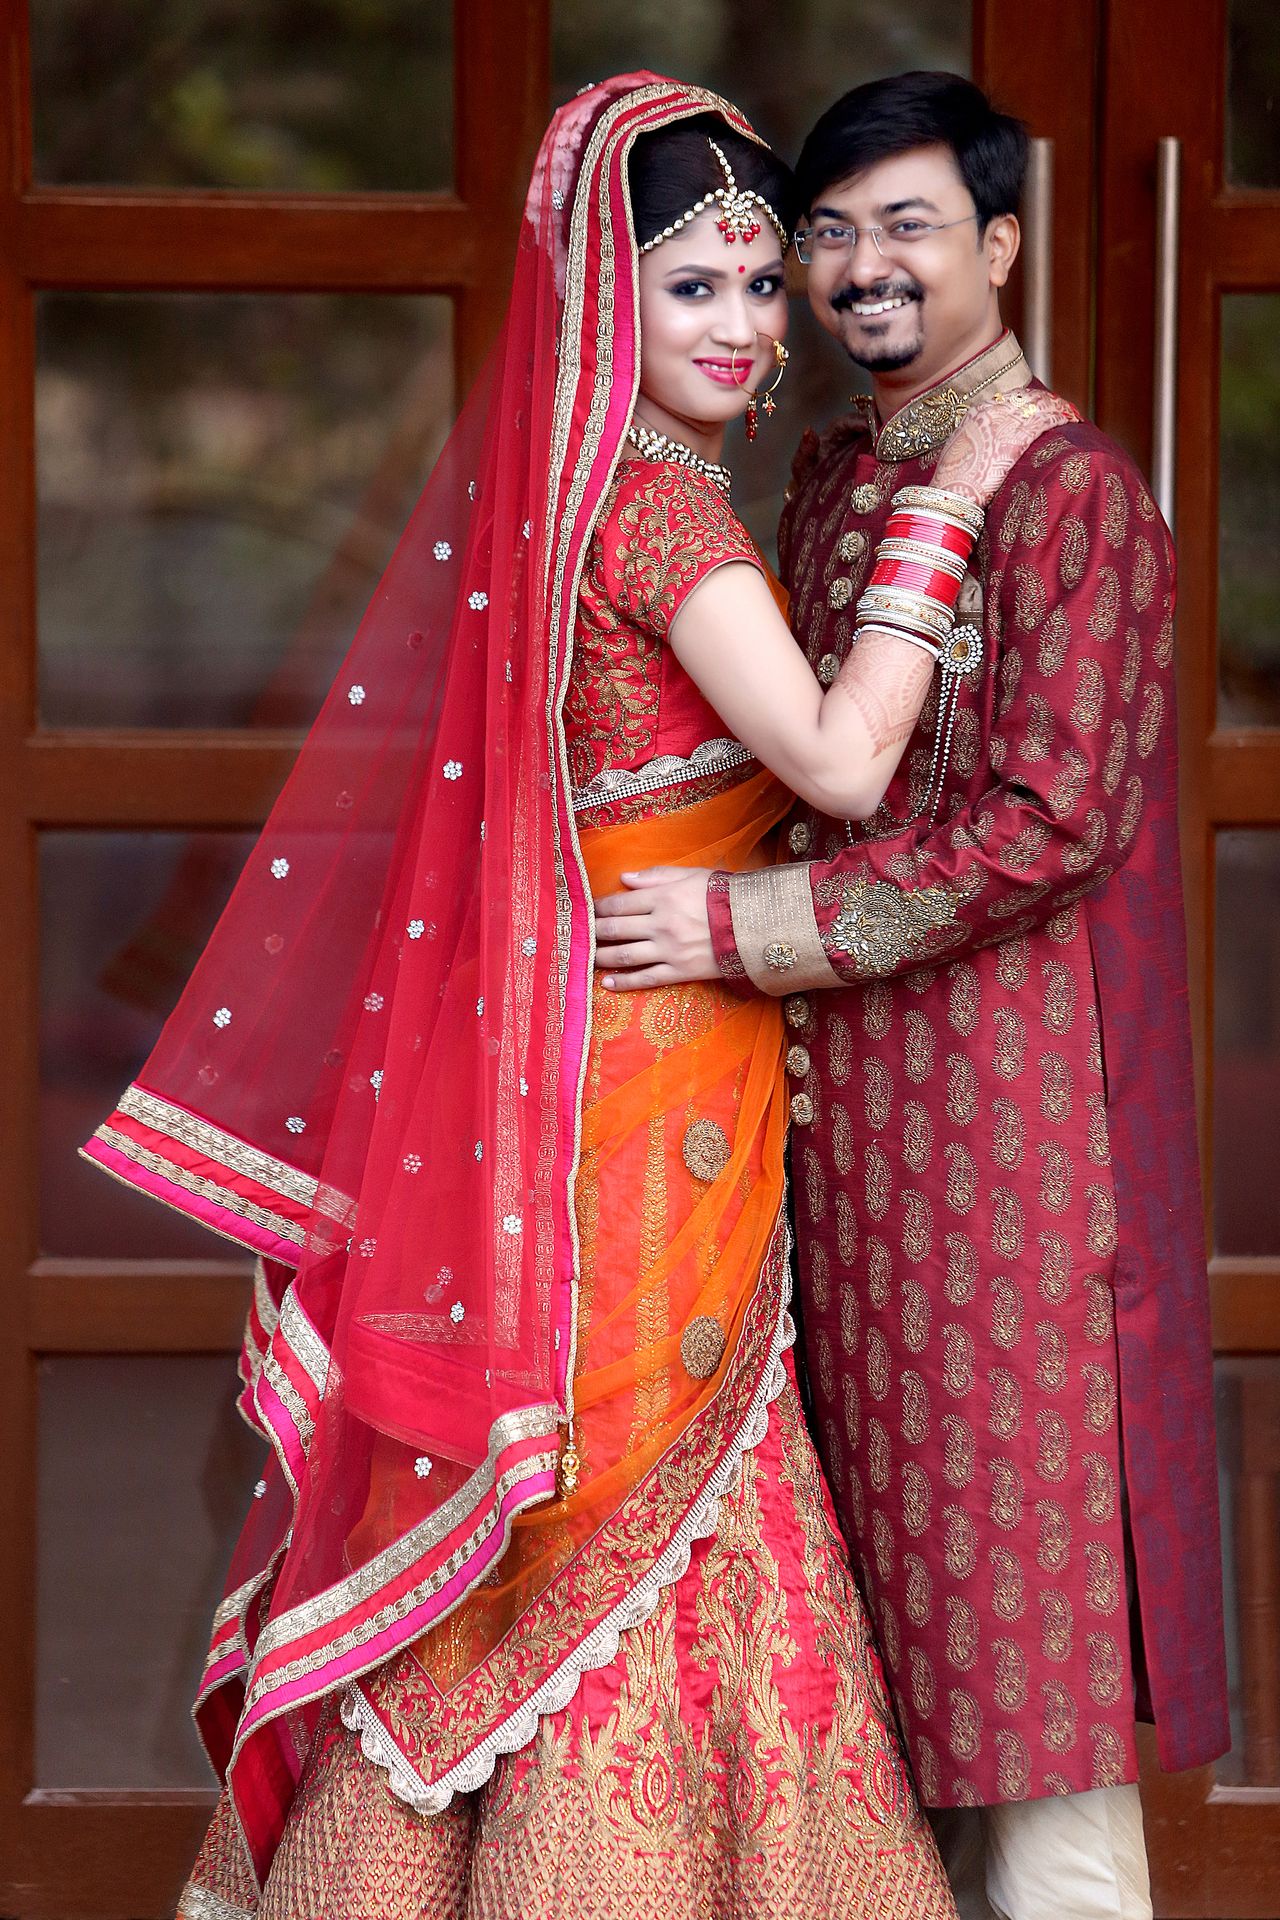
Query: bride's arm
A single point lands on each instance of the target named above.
(839, 749)
(836, 749)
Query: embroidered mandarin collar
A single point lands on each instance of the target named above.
(928, 421)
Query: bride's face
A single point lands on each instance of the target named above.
(709, 315)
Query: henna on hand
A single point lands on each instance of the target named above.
(992, 438)
(888, 680)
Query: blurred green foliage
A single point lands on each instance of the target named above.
(1253, 93)
(302, 95)
(1249, 510)
(781, 66)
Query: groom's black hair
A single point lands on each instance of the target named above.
(922, 109)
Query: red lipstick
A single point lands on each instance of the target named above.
(725, 372)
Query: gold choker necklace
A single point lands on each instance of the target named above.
(660, 446)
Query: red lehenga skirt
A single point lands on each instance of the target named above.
(736, 1759)
(729, 1751)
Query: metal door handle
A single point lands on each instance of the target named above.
(1164, 425)
(1037, 305)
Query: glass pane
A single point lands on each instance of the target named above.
(145, 1470)
(1248, 1410)
(221, 480)
(782, 72)
(783, 68)
(123, 918)
(1253, 93)
(1249, 510)
(311, 99)
(1246, 1070)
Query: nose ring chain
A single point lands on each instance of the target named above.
(762, 400)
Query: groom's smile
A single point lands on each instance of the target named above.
(884, 325)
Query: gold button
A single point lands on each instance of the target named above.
(828, 667)
(801, 1109)
(866, 498)
(840, 593)
(706, 1150)
(800, 838)
(702, 1347)
(779, 956)
(796, 1009)
(798, 1061)
(851, 548)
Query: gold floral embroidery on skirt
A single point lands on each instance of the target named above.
(735, 1759)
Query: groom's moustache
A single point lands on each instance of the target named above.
(850, 296)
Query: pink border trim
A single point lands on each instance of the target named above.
(217, 1673)
(283, 1431)
(407, 1628)
(577, 1005)
(221, 1220)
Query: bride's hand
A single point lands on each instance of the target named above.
(992, 438)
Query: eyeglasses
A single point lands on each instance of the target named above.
(828, 237)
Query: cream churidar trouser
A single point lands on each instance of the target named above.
(1078, 1857)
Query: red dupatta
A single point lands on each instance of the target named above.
(374, 1076)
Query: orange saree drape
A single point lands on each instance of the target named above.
(679, 1200)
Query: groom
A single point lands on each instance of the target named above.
(1000, 1243)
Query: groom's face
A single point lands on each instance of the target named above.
(919, 292)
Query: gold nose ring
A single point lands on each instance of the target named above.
(781, 356)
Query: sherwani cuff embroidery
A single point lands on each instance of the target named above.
(776, 931)
(723, 943)
(881, 926)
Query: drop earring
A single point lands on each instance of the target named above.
(763, 401)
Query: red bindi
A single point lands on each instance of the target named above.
(741, 269)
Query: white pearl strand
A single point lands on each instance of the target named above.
(660, 446)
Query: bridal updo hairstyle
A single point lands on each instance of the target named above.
(669, 170)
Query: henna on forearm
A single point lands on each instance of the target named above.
(992, 438)
(887, 679)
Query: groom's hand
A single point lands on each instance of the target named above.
(657, 931)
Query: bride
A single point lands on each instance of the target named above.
(540, 1608)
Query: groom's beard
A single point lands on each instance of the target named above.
(887, 345)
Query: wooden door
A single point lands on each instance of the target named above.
(1207, 73)
(234, 238)
(243, 274)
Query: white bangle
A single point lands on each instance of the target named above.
(901, 633)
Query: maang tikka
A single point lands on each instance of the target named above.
(737, 205)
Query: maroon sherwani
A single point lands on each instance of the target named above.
(1001, 1250)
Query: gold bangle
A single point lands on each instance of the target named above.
(921, 609)
(941, 500)
(933, 641)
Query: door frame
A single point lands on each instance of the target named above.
(1215, 1848)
